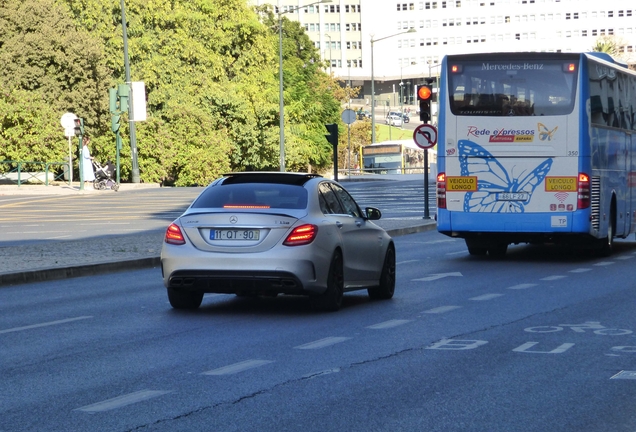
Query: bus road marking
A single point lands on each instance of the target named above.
(46, 324)
(522, 286)
(237, 367)
(122, 401)
(486, 297)
(625, 375)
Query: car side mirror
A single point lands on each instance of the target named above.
(373, 213)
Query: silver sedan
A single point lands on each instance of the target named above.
(269, 233)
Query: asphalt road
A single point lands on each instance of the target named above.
(542, 340)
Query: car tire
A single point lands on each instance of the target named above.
(331, 299)
(184, 299)
(386, 288)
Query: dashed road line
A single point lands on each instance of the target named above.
(322, 343)
(553, 278)
(441, 309)
(238, 367)
(604, 263)
(522, 286)
(580, 270)
(122, 401)
(486, 297)
(46, 324)
(388, 324)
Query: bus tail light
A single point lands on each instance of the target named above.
(584, 193)
(441, 190)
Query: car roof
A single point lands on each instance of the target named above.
(290, 178)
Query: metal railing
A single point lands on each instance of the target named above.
(32, 172)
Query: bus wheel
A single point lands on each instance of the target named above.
(498, 250)
(476, 248)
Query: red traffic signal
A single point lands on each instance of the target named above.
(424, 92)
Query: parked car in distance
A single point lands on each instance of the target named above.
(270, 233)
(394, 120)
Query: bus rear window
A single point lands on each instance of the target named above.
(512, 87)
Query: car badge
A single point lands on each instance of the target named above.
(233, 219)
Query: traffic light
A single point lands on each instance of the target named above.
(115, 116)
(424, 96)
(332, 136)
(78, 126)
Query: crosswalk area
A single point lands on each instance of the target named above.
(394, 199)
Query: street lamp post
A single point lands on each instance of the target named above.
(280, 77)
(373, 41)
(402, 86)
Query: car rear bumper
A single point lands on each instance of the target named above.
(233, 282)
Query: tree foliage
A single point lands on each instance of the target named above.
(211, 74)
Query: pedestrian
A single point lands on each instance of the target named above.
(87, 162)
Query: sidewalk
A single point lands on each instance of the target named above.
(59, 260)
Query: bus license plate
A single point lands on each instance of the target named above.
(236, 234)
(513, 196)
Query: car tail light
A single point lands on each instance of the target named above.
(584, 195)
(174, 235)
(301, 235)
(441, 190)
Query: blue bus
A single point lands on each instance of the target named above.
(536, 148)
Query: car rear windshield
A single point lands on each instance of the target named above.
(252, 196)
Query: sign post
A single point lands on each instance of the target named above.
(348, 116)
(425, 137)
(68, 123)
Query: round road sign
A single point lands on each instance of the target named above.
(348, 116)
(67, 120)
(425, 136)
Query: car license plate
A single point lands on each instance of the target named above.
(513, 196)
(234, 234)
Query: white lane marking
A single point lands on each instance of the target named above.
(625, 375)
(322, 343)
(46, 324)
(624, 257)
(522, 286)
(388, 324)
(238, 367)
(122, 401)
(442, 309)
(407, 262)
(604, 263)
(486, 297)
(580, 270)
(456, 253)
(552, 278)
(438, 276)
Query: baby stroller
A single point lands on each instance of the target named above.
(104, 176)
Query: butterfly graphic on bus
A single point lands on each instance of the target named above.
(495, 182)
(545, 133)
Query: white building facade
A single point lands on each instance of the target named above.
(343, 30)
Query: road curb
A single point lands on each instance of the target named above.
(45, 275)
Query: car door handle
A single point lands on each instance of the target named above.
(358, 224)
(339, 224)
